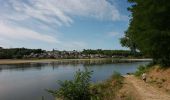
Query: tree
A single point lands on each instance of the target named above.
(150, 28)
(17, 52)
(128, 41)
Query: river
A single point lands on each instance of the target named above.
(28, 81)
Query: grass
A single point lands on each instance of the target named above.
(107, 90)
(142, 69)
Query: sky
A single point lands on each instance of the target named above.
(63, 24)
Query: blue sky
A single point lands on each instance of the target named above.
(63, 24)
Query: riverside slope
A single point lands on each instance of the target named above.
(146, 91)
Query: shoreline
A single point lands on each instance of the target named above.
(21, 61)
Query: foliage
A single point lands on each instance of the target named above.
(127, 41)
(150, 28)
(117, 77)
(77, 89)
(110, 53)
(81, 89)
(141, 69)
(17, 52)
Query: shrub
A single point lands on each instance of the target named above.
(141, 69)
(117, 77)
(81, 89)
(77, 89)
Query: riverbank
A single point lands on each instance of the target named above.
(156, 87)
(160, 78)
(20, 61)
(136, 89)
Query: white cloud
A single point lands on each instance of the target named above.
(9, 35)
(19, 33)
(51, 13)
(60, 12)
(100, 9)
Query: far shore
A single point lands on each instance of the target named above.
(20, 61)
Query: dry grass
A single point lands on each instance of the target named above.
(108, 90)
(160, 78)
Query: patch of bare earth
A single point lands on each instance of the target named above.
(145, 91)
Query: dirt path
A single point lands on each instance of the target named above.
(146, 91)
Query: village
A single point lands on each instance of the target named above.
(56, 54)
(25, 53)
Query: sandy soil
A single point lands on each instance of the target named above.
(145, 90)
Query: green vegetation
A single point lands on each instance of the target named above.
(141, 69)
(149, 29)
(24, 53)
(124, 53)
(108, 89)
(17, 52)
(78, 89)
(127, 41)
(81, 89)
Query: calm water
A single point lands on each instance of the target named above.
(29, 81)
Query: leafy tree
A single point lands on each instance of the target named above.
(17, 52)
(150, 28)
(127, 41)
(110, 53)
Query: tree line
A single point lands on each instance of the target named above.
(124, 53)
(149, 29)
(19, 53)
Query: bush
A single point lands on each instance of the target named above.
(77, 89)
(81, 89)
(117, 77)
(141, 69)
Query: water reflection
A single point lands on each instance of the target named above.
(54, 65)
(28, 81)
